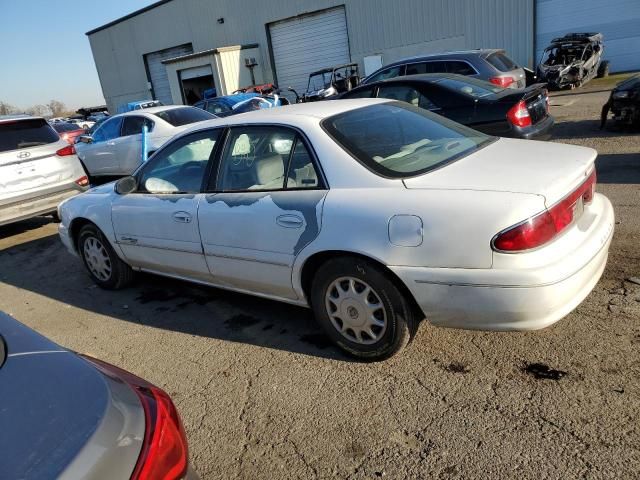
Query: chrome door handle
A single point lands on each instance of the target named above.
(289, 221)
(182, 217)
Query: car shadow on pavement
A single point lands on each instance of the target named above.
(590, 128)
(44, 267)
(17, 228)
(620, 168)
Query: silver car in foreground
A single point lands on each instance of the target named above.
(68, 416)
(38, 169)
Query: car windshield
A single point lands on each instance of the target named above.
(471, 87)
(399, 140)
(183, 116)
(562, 55)
(319, 81)
(16, 134)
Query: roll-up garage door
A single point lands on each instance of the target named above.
(308, 43)
(158, 72)
(617, 20)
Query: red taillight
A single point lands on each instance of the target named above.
(518, 115)
(63, 152)
(542, 228)
(164, 454)
(83, 181)
(503, 82)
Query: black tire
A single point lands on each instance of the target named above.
(400, 320)
(120, 274)
(603, 71)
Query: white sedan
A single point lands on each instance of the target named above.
(373, 213)
(115, 148)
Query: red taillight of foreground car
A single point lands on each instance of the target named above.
(83, 181)
(518, 115)
(66, 151)
(542, 228)
(503, 82)
(164, 454)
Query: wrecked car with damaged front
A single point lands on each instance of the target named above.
(573, 60)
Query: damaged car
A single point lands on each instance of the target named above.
(573, 60)
(624, 103)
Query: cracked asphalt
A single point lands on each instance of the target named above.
(263, 394)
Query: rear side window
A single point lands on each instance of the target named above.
(16, 134)
(501, 62)
(184, 116)
(460, 68)
(475, 89)
(392, 72)
(65, 127)
(360, 93)
(398, 140)
(217, 108)
(133, 125)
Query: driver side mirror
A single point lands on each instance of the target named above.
(85, 139)
(126, 185)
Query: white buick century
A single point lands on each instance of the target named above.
(374, 213)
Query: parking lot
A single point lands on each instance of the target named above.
(263, 393)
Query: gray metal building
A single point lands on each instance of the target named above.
(173, 50)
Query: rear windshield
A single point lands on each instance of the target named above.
(18, 134)
(65, 127)
(184, 116)
(399, 140)
(501, 62)
(472, 88)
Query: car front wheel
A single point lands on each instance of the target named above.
(104, 266)
(361, 308)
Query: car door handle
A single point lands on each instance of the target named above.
(289, 221)
(182, 217)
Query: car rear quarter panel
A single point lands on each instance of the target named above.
(457, 225)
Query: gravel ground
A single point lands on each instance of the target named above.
(264, 395)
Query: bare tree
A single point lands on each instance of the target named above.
(7, 109)
(57, 108)
(38, 110)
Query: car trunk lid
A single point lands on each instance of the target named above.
(519, 166)
(535, 98)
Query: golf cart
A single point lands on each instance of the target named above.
(573, 60)
(329, 83)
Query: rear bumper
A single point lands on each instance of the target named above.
(539, 131)
(524, 299)
(36, 203)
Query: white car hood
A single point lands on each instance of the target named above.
(522, 166)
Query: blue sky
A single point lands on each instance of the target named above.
(45, 54)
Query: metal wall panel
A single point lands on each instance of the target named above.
(158, 72)
(617, 20)
(306, 44)
(391, 28)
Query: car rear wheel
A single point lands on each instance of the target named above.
(104, 266)
(361, 309)
(603, 71)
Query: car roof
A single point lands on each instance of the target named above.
(18, 116)
(291, 114)
(483, 52)
(152, 110)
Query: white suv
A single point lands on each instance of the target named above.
(38, 169)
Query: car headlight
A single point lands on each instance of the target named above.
(621, 94)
